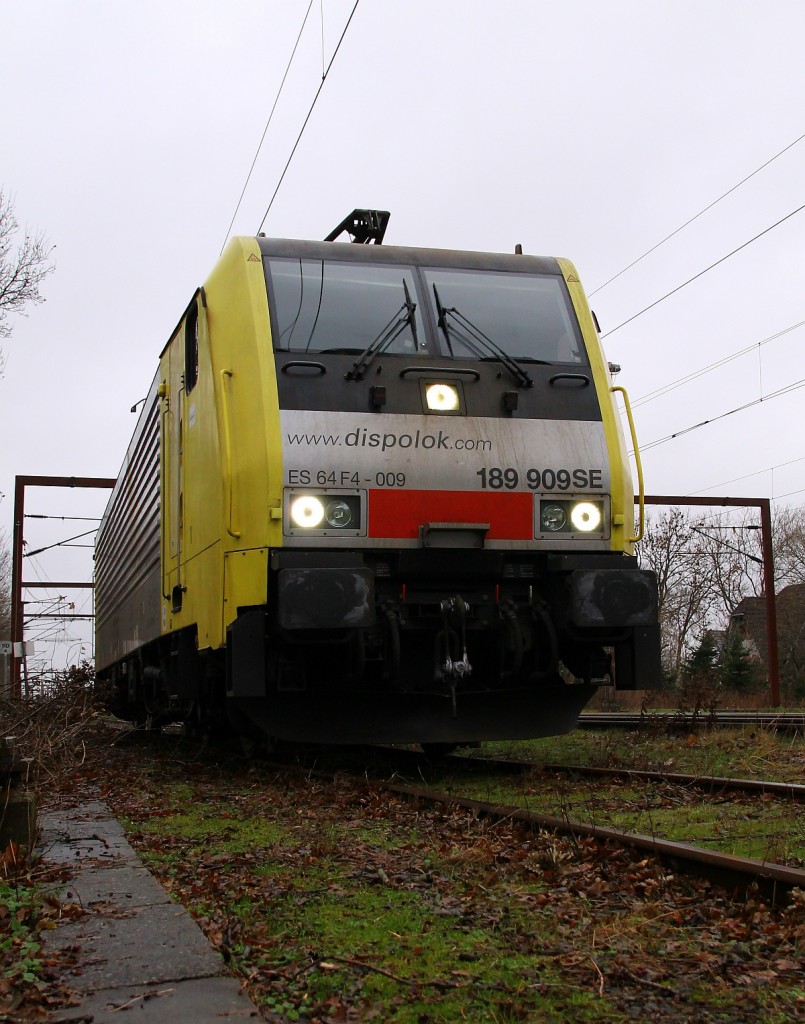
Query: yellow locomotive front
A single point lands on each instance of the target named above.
(395, 500)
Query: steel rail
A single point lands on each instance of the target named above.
(792, 790)
(781, 721)
(775, 880)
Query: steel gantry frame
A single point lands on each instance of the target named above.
(17, 553)
(764, 504)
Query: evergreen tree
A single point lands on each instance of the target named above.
(703, 660)
(737, 669)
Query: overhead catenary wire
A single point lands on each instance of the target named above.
(714, 419)
(695, 374)
(36, 568)
(701, 273)
(665, 389)
(722, 512)
(696, 216)
(52, 630)
(59, 543)
(80, 519)
(268, 122)
(748, 476)
(309, 114)
(51, 619)
(789, 494)
(709, 206)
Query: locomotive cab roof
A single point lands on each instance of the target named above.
(408, 255)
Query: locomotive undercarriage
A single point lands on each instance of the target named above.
(436, 646)
(432, 643)
(433, 647)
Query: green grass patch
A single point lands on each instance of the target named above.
(217, 833)
(419, 954)
(21, 965)
(341, 903)
(740, 753)
(746, 826)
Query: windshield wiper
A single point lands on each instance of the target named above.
(402, 318)
(444, 327)
(476, 341)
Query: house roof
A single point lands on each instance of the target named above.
(750, 616)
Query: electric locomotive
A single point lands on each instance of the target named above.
(376, 493)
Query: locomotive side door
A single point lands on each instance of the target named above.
(182, 360)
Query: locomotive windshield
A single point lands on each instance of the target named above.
(525, 315)
(321, 306)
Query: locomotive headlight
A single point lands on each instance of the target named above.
(324, 513)
(586, 517)
(307, 511)
(338, 514)
(442, 397)
(563, 516)
(553, 517)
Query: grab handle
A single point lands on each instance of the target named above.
(227, 453)
(163, 488)
(640, 490)
(573, 378)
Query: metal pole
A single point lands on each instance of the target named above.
(17, 585)
(771, 602)
(16, 589)
(772, 658)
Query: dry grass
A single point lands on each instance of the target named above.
(60, 730)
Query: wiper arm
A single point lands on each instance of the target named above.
(393, 329)
(474, 338)
(442, 321)
(411, 307)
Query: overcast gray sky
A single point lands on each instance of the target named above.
(589, 130)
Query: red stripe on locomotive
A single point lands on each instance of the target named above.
(401, 513)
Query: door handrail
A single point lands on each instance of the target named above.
(640, 489)
(227, 454)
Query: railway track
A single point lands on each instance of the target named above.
(351, 893)
(761, 787)
(391, 769)
(740, 875)
(789, 722)
(714, 783)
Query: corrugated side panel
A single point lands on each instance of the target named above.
(127, 551)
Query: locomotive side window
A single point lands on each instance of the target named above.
(529, 316)
(320, 306)
(191, 348)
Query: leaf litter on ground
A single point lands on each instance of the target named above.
(338, 902)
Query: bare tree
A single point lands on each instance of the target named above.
(704, 570)
(733, 553)
(23, 268)
(675, 551)
(5, 589)
(788, 529)
(735, 556)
